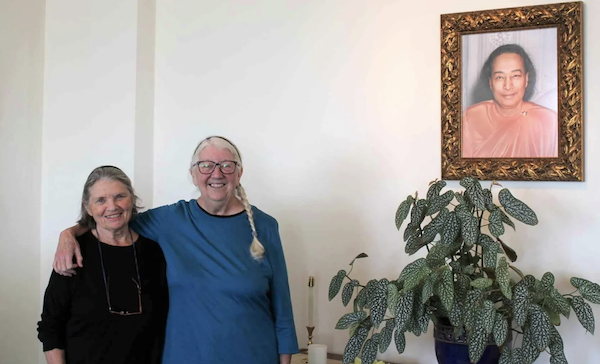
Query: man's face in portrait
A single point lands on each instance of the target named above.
(508, 80)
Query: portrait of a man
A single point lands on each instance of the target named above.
(501, 118)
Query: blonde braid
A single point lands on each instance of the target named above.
(256, 248)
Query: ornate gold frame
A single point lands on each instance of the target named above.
(568, 19)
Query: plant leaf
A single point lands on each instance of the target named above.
(477, 343)
(521, 303)
(496, 226)
(410, 230)
(414, 273)
(402, 211)
(503, 278)
(378, 302)
(361, 300)
(506, 219)
(500, 330)
(490, 251)
(487, 315)
(539, 324)
(451, 229)
(510, 253)
(348, 290)
(516, 208)
(506, 357)
(369, 352)
(428, 288)
(434, 190)
(557, 349)
(336, 284)
(445, 289)
(474, 192)
(359, 256)
(440, 202)
(547, 283)
(584, 313)
(404, 311)
(578, 282)
(400, 341)
(469, 227)
(392, 297)
(482, 283)
(435, 226)
(350, 318)
(386, 333)
(354, 345)
(591, 292)
(418, 212)
(414, 244)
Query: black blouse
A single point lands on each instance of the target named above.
(76, 317)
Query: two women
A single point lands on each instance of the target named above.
(114, 309)
(228, 285)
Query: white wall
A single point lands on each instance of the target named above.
(21, 77)
(335, 106)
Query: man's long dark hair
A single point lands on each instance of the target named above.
(481, 91)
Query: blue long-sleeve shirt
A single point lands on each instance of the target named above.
(224, 305)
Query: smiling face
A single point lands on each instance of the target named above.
(216, 189)
(110, 204)
(508, 80)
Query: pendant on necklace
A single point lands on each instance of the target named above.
(524, 113)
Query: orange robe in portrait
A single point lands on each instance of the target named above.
(531, 134)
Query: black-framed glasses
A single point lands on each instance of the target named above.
(208, 167)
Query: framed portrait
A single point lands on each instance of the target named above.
(512, 93)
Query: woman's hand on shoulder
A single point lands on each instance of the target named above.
(67, 248)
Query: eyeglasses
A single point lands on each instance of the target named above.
(207, 167)
(137, 284)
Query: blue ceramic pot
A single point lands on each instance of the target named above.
(451, 349)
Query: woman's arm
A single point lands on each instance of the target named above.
(283, 358)
(67, 248)
(55, 356)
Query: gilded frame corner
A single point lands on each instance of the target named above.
(567, 18)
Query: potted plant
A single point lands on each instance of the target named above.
(467, 285)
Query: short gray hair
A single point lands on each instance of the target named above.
(110, 173)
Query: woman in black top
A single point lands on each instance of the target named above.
(114, 309)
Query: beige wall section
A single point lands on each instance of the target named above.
(21, 77)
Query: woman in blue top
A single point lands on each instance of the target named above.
(228, 287)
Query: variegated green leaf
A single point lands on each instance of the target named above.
(473, 192)
(559, 303)
(469, 228)
(507, 220)
(434, 190)
(410, 230)
(529, 352)
(350, 318)
(418, 212)
(470, 308)
(455, 314)
(556, 346)
(461, 199)
(400, 340)
(386, 333)
(584, 313)
(402, 211)
(503, 278)
(440, 202)
(428, 288)
(361, 300)
(477, 343)
(392, 297)
(521, 304)
(578, 282)
(378, 302)
(369, 351)
(348, 290)
(482, 283)
(354, 345)
(414, 273)
(370, 288)
(490, 251)
(359, 256)
(435, 226)
(488, 199)
(496, 226)
(445, 289)
(437, 255)
(487, 315)
(500, 330)
(414, 244)
(539, 324)
(553, 315)
(591, 292)
(547, 283)
(510, 253)
(404, 311)
(516, 208)
(451, 229)
(352, 329)
(336, 284)
(506, 357)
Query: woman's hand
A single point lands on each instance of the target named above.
(67, 248)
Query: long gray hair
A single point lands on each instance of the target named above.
(257, 250)
(110, 173)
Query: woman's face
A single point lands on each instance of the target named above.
(508, 80)
(110, 205)
(216, 187)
